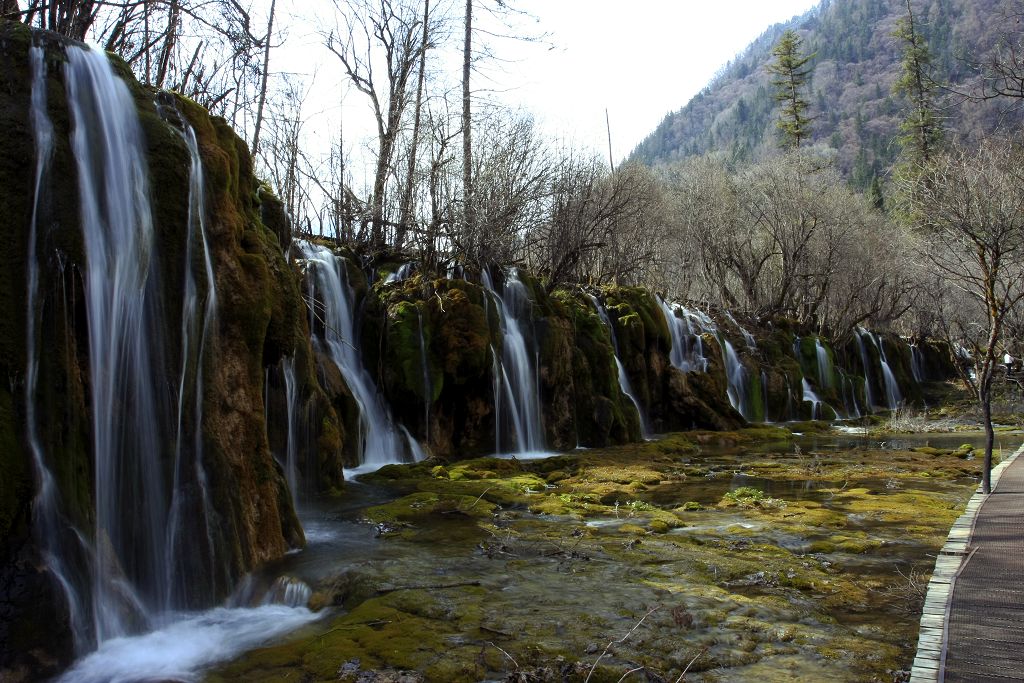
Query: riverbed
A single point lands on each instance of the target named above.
(757, 555)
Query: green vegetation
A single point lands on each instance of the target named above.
(856, 114)
(489, 568)
(791, 72)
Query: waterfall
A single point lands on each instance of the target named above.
(48, 526)
(686, 327)
(624, 384)
(191, 497)
(748, 338)
(516, 373)
(824, 364)
(849, 397)
(125, 347)
(917, 363)
(810, 397)
(291, 461)
(402, 273)
(892, 388)
(738, 388)
(428, 385)
(379, 440)
(865, 361)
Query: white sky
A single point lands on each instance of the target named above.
(640, 59)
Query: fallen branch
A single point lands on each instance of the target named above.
(349, 627)
(428, 587)
(494, 631)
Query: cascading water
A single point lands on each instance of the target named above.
(685, 327)
(748, 338)
(292, 409)
(917, 363)
(624, 383)
(892, 388)
(810, 397)
(50, 529)
(516, 373)
(147, 560)
(380, 442)
(865, 362)
(125, 348)
(824, 364)
(738, 379)
(428, 385)
(849, 394)
(401, 273)
(190, 491)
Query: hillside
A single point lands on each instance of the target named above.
(857, 59)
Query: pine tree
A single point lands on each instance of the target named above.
(791, 70)
(921, 129)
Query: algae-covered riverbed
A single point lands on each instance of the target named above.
(752, 556)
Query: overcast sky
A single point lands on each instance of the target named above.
(640, 59)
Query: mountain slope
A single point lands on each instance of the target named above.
(857, 59)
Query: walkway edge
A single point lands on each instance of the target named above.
(929, 660)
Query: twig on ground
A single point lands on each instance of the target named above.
(511, 658)
(631, 671)
(620, 640)
(478, 499)
(682, 676)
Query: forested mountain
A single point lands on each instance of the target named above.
(856, 61)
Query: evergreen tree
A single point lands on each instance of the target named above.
(921, 130)
(791, 71)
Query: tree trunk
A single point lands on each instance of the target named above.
(467, 141)
(986, 415)
(263, 82)
(405, 218)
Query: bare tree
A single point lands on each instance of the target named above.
(510, 173)
(262, 97)
(380, 33)
(971, 204)
(405, 215)
(598, 226)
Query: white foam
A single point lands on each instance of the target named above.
(181, 650)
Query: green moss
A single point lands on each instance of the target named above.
(417, 506)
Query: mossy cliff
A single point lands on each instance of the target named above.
(432, 344)
(259, 323)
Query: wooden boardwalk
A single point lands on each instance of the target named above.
(972, 627)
